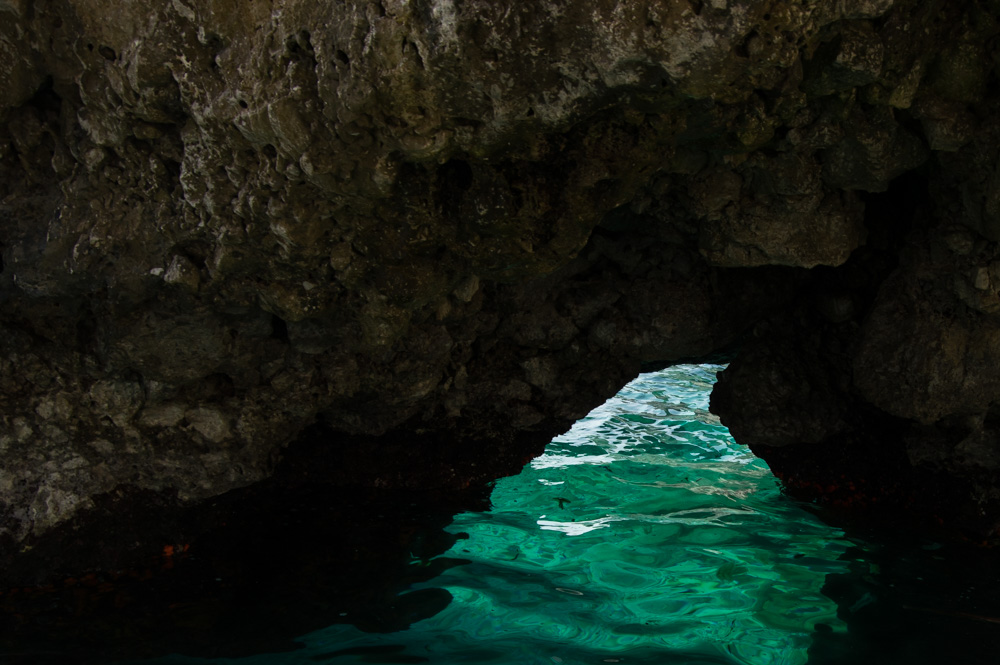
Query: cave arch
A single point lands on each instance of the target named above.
(392, 246)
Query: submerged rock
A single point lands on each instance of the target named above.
(468, 222)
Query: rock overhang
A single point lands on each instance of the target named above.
(220, 222)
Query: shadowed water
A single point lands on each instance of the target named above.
(647, 535)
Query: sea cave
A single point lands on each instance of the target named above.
(277, 276)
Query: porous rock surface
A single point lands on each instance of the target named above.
(471, 222)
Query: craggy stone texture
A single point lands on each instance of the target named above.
(474, 221)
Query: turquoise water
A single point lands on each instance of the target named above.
(645, 534)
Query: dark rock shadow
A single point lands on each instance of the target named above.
(246, 573)
(913, 604)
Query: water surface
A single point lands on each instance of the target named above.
(647, 535)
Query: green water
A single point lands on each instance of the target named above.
(644, 531)
(643, 535)
(647, 535)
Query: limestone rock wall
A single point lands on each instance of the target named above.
(221, 221)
